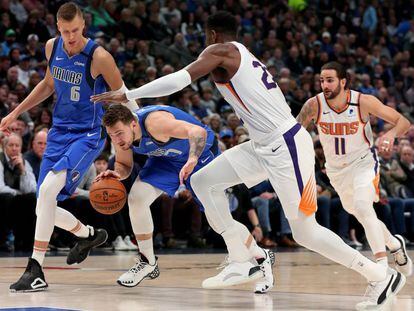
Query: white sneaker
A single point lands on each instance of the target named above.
(266, 265)
(380, 294)
(131, 246)
(119, 244)
(233, 274)
(141, 270)
(403, 263)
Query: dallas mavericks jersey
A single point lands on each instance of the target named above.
(255, 97)
(344, 135)
(175, 149)
(73, 86)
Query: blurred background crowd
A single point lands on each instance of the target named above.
(148, 39)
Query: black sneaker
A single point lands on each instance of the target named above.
(32, 280)
(81, 250)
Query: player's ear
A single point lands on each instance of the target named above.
(214, 35)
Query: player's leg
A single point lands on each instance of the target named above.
(299, 204)
(235, 166)
(140, 198)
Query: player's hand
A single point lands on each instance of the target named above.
(110, 97)
(386, 142)
(188, 169)
(107, 174)
(5, 123)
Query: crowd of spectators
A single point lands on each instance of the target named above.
(148, 39)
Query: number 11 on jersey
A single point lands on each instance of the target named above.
(339, 145)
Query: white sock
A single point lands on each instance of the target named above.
(391, 241)
(238, 251)
(254, 250)
(82, 231)
(371, 271)
(145, 247)
(39, 255)
(383, 261)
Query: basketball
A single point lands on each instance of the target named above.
(107, 196)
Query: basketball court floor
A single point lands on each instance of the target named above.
(304, 281)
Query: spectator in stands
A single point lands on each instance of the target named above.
(34, 156)
(17, 192)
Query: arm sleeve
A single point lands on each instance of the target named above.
(163, 86)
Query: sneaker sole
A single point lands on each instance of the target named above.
(29, 290)
(409, 263)
(255, 276)
(150, 276)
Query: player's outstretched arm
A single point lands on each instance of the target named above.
(103, 63)
(371, 105)
(42, 91)
(211, 58)
(164, 124)
(308, 112)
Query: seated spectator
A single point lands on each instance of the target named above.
(34, 156)
(407, 165)
(17, 193)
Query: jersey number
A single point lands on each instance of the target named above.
(268, 84)
(74, 93)
(339, 146)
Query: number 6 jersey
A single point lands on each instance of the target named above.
(255, 97)
(74, 86)
(343, 134)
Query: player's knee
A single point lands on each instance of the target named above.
(363, 210)
(137, 199)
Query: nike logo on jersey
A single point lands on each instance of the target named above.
(274, 150)
(326, 112)
(204, 161)
(91, 134)
(149, 143)
(59, 58)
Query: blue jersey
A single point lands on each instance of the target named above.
(175, 150)
(74, 86)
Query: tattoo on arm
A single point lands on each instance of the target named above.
(197, 144)
(307, 113)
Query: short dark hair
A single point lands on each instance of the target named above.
(340, 71)
(117, 113)
(223, 22)
(69, 11)
(102, 157)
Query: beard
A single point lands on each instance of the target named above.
(334, 93)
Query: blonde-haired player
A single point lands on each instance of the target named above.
(280, 150)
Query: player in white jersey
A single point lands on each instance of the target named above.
(342, 119)
(280, 150)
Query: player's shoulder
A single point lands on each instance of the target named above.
(101, 54)
(220, 49)
(49, 47)
(312, 102)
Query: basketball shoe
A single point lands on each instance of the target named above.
(141, 270)
(403, 263)
(81, 250)
(266, 265)
(380, 294)
(32, 280)
(234, 273)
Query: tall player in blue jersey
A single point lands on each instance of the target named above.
(177, 145)
(78, 68)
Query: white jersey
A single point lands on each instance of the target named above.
(343, 134)
(255, 97)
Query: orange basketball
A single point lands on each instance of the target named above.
(107, 196)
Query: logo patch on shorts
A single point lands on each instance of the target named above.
(75, 176)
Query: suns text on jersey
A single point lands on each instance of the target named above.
(343, 128)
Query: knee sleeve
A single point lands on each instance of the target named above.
(140, 199)
(50, 188)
